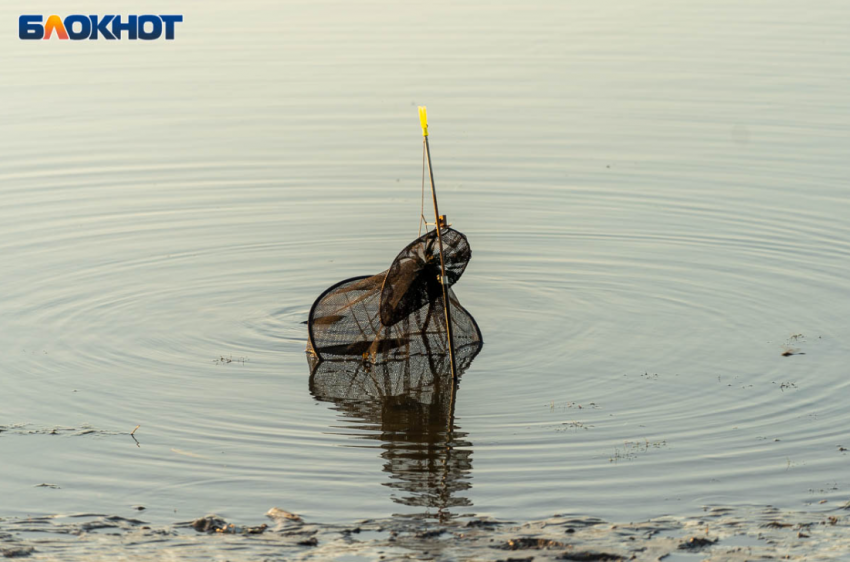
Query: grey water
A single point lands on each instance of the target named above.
(656, 197)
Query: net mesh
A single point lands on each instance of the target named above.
(406, 405)
(397, 313)
(379, 353)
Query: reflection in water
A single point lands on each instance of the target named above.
(409, 407)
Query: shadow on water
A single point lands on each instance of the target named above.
(408, 405)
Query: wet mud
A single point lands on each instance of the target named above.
(716, 534)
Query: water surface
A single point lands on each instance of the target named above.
(656, 200)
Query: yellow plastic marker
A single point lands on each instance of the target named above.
(423, 119)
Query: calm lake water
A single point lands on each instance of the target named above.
(656, 198)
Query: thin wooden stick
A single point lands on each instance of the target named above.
(423, 120)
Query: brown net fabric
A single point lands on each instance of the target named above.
(379, 353)
(413, 279)
(398, 313)
(419, 377)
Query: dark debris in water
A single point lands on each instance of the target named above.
(788, 351)
(696, 543)
(526, 543)
(222, 360)
(215, 524)
(16, 551)
(208, 524)
(717, 534)
(590, 556)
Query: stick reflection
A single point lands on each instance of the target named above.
(408, 406)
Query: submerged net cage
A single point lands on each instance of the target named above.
(387, 351)
(407, 405)
(399, 313)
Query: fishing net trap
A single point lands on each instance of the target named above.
(407, 317)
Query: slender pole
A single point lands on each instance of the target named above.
(423, 119)
(449, 448)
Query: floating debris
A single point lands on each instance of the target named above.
(788, 351)
(215, 524)
(209, 524)
(696, 543)
(16, 551)
(633, 449)
(573, 425)
(222, 360)
(282, 515)
(590, 556)
(526, 543)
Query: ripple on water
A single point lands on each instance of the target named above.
(640, 262)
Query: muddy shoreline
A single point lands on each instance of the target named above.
(717, 533)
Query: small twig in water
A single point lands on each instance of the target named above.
(132, 434)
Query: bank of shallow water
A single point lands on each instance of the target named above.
(717, 533)
(655, 195)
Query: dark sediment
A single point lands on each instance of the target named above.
(717, 534)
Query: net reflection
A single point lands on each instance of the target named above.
(408, 406)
